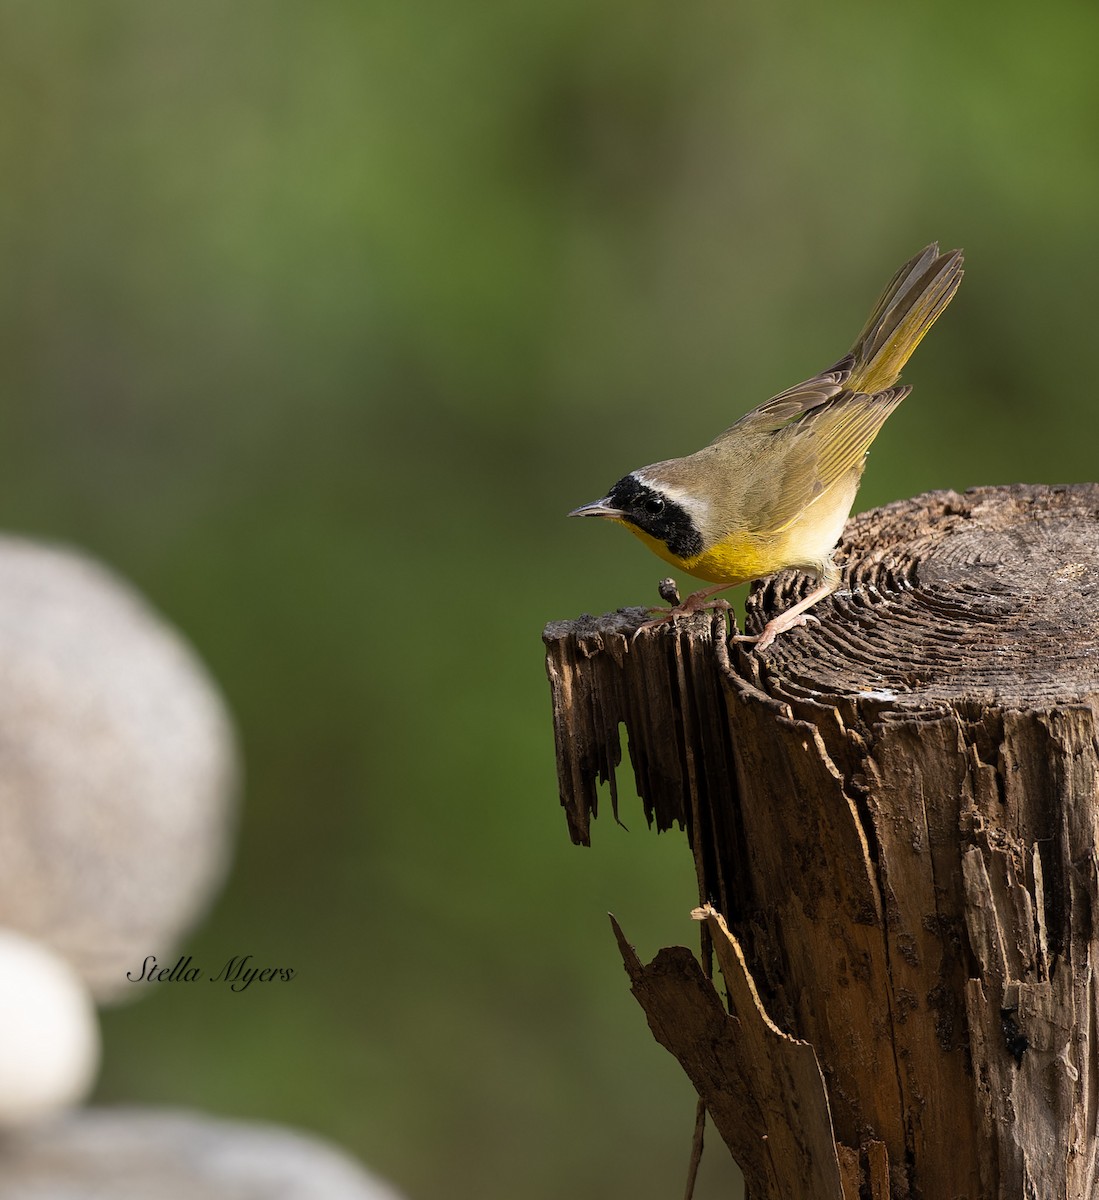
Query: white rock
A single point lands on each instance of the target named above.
(117, 768)
(136, 1154)
(49, 1034)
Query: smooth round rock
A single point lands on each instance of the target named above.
(990, 595)
(118, 767)
(49, 1033)
(135, 1154)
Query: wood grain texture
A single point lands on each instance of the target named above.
(895, 813)
(764, 1089)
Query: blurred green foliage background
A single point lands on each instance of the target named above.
(317, 318)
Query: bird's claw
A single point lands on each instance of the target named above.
(773, 628)
(693, 604)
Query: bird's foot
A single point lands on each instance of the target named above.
(695, 603)
(791, 618)
(773, 628)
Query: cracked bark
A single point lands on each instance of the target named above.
(894, 818)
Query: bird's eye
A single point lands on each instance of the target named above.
(654, 506)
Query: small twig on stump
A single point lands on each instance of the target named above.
(697, 1142)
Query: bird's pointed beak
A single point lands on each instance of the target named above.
(599, 509)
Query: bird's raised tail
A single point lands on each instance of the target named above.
(908, 307)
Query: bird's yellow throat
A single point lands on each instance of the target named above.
(735, 559)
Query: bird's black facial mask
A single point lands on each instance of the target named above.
(657, 515)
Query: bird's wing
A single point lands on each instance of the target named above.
(816, 449)
(794, 403)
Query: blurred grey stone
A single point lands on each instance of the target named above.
(118, 767)
(139, 1154)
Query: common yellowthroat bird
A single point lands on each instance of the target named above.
(774, 490)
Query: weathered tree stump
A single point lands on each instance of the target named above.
(894, 819)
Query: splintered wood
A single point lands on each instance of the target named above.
(894, 818)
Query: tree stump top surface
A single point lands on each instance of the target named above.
(990, 595)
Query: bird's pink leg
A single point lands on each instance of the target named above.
(695, 602)
(790, 619)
